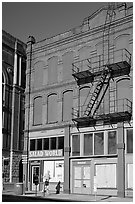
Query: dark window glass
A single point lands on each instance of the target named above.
(60, 142)
(76, 145)
(112, 142)
(39, 144)
(130, 141)
(46, 143)
(88, 144)
(99, 143)
(32, 145)
(53, 143)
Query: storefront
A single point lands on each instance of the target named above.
(46, 162)
(94, 161)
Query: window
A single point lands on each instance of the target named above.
(88, 144)
(99, 143)
(130, 141)
(52, 70)
(106, 175)
(84, 99)
(67, 65)
(76, 145)
(52, 108)
(60, 142)
(112, 142)
(67, 105)
(46, 144)
(39, 144)
(37, 111)
(38, 74)
(32, 145)
(53, 143)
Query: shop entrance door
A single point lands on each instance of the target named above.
(35, 171)
(81, 179)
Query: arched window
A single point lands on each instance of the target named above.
(38, 74)
(122, 41)
(37, 112)
(84, 98)
(52, 108)
(124, 91)
(52, 70)
(67, 65)
(84, 53)
(67, 105)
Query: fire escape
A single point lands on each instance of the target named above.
(99, 71)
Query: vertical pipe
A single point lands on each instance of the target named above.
(13, 107)
(31, 40)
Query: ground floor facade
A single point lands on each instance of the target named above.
(16, 172)
(86, 161)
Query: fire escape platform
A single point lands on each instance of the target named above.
(119, 68)
(104, 119)
(83, 77)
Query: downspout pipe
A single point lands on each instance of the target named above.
(30, 42)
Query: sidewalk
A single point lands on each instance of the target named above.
(74, 197)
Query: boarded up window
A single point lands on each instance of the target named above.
(38, 111)
(130, 175)
(52, 70)
(88, 144)
(38, 75)
(99, 143)
(106, 175)
(52, 108)
(67, 65)
(67, 105)
(75, 145)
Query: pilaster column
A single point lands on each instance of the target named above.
(121, 161)
(66, 160)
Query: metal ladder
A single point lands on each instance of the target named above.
(102, 81)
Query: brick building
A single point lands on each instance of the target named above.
(79, 106)
(13, 86)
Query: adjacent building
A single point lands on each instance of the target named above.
(13, 87)
(78, 106)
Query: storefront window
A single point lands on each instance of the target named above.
(32, 145)
(55, 169)
(60, 142)
(112, 142)
(46, 144)
(99, 143)
(130, 141)
(88, 144)
(76, 145)
(39, 144)
(53, 143)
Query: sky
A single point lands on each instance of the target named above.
(44, 19)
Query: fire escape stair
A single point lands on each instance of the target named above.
(96, 93)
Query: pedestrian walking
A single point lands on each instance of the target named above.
(58, 188)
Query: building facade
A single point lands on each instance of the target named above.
(79, 106)
(13, 86)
